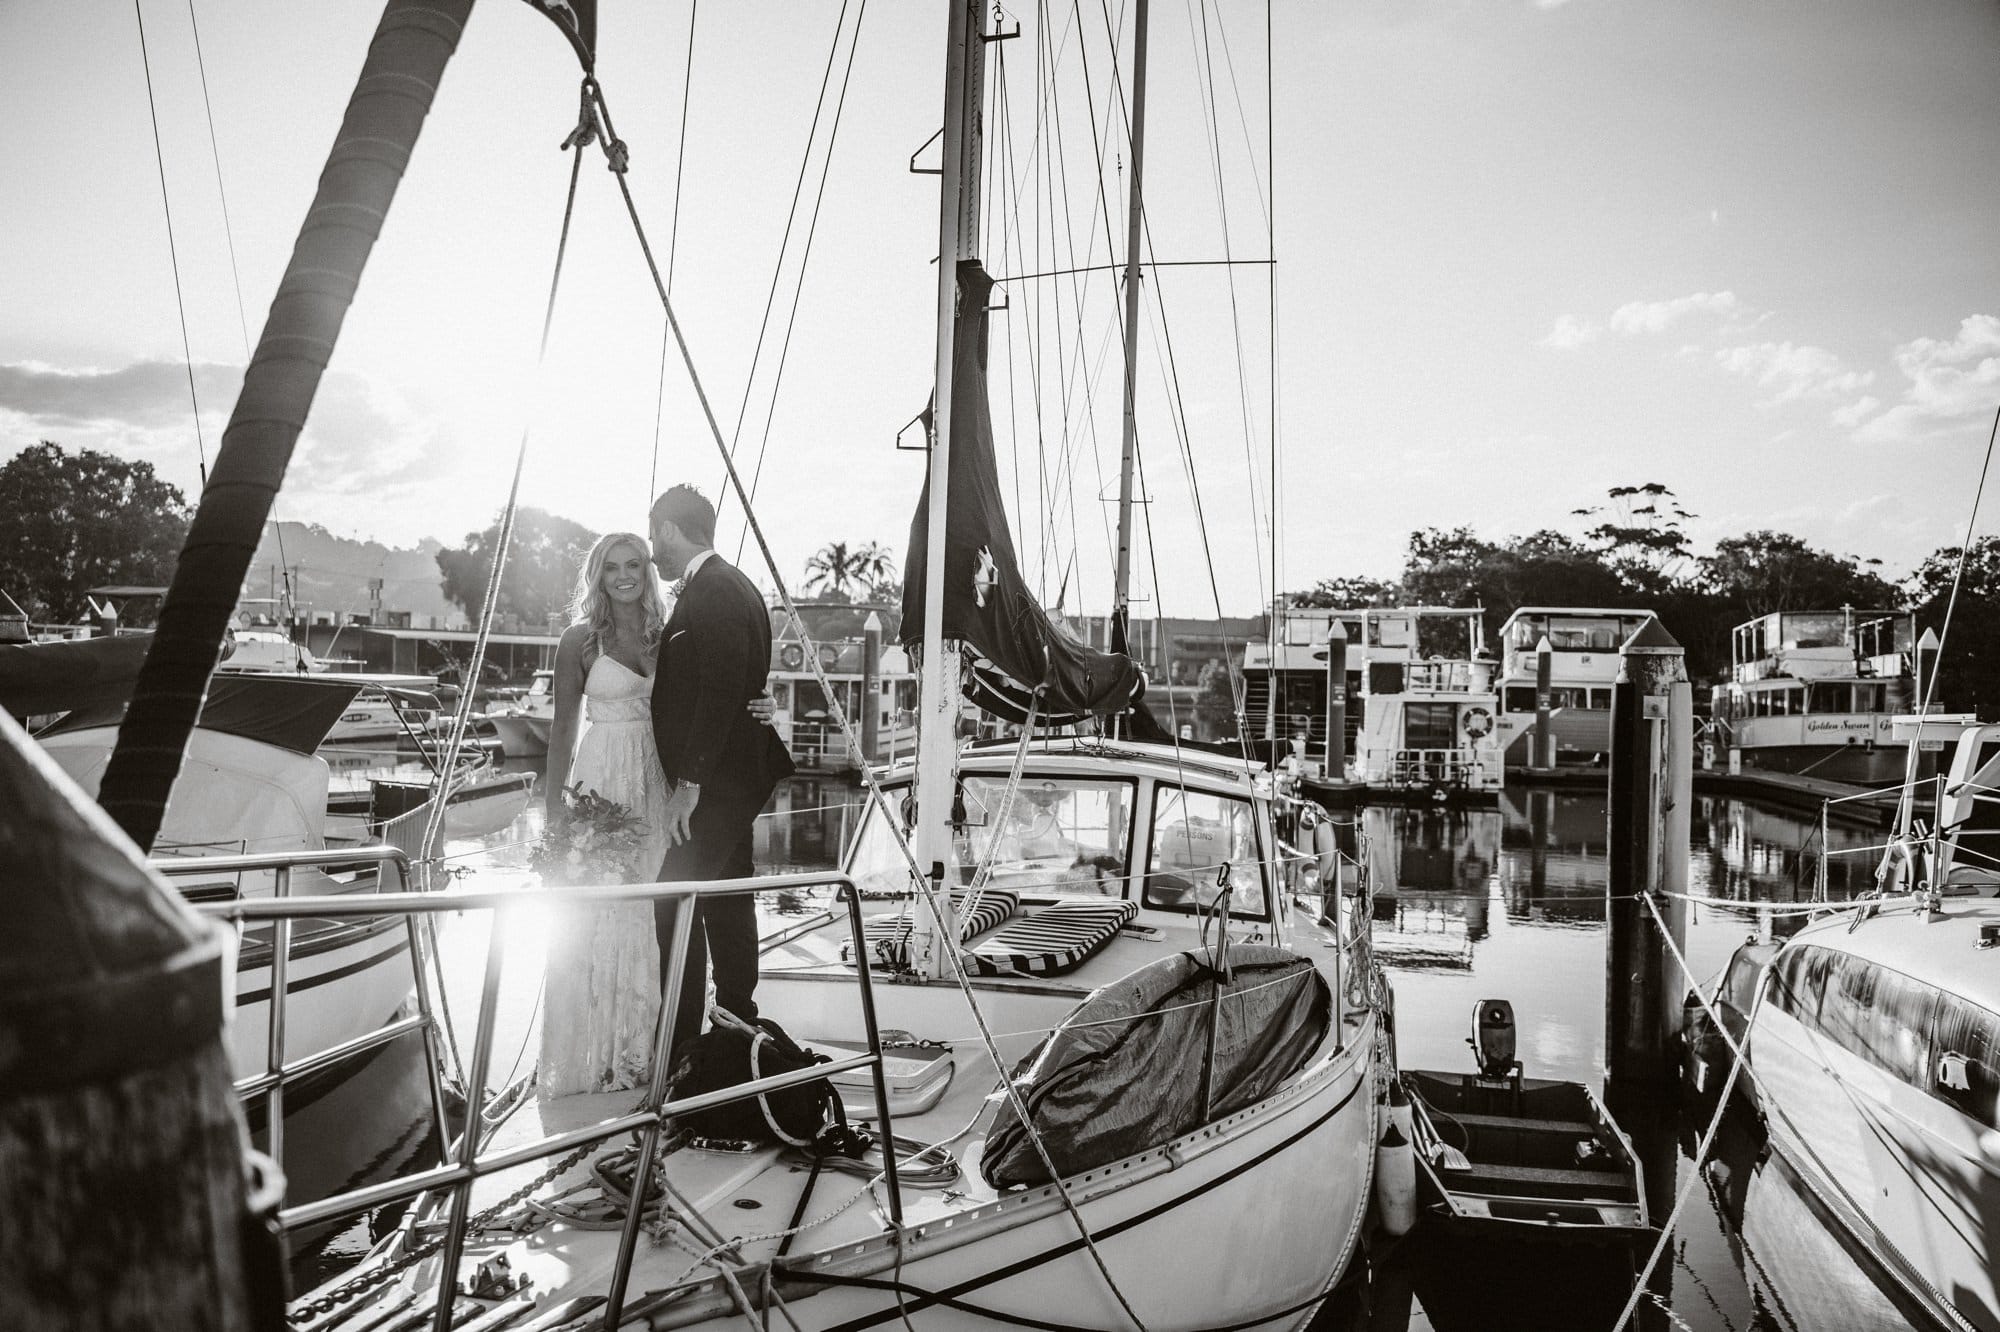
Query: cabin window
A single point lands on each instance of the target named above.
(1964, 1065)
(1526, 635)
(1430, 726)
(1389, 631)
(1064, 836)
(1197, 836)
(1600, 700)
(1519, 698)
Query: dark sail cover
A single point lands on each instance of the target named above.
(1016, 647)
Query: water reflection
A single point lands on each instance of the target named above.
(1510, 903)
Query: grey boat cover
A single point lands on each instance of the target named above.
(1099, 1088)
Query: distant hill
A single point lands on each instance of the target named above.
(330, 573)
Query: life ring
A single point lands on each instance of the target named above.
(1477, 722)
(829, 656)
(792, 656)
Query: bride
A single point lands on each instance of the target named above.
(602, 996)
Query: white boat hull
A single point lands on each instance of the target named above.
(1289, 1181)
(338, 987)
(1892, 1163)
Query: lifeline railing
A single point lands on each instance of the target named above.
(471, 1164)
(278, 1072)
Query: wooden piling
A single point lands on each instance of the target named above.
(1652, 778)
(124, 1166)
(871, 688)
(1336, 703)
(1543, 758)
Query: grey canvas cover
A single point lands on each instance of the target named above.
(1101, 1088)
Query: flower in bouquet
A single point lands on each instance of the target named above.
(596, 841)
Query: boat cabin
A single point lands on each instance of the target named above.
(1583, 665)
(805, 717)
(1820, 691)
(1414, 684)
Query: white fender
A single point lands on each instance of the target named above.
(1326, 845)
(1396, 1181)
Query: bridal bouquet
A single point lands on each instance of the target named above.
(600, 841)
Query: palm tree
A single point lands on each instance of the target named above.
(835, 571)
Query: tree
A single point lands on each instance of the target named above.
(836, 572)
(73, 521)
(1767, 571)
(541, 571)
(1346, 593)
(1640, 538)
(1969, 662)
(1456, 568)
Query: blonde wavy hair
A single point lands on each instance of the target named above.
(591, 606)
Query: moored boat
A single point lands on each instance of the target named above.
(1822, 692)
(1516, 1157)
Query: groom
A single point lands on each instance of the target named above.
(715, 655)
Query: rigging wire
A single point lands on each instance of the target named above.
(215, 155)
(173, 252)
(616, 151)
(805, 257)
(673, 239)
(235, 278)
(1905, 803)
(434, 825)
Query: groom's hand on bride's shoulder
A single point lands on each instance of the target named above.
(680, 809)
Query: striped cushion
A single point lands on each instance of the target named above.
(1053, 940)
(889, 934)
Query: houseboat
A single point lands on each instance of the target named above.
(1414, 689)
(1583, 665)
(1427, 704)
(1818, 692)
(880, 703)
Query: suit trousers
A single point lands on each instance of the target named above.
(725, 928)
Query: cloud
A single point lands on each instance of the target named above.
(359, 440)
(146, 395)
(1949, 382)
(1635, 317)
(1854, 413)
(1793, 371)
(1570, 333)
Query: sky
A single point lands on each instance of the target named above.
(1526, 250)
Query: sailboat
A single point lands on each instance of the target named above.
(1119, 1045)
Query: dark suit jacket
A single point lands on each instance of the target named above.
(715, 656)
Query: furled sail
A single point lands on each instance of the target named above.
(1016, 647)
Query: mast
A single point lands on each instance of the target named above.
(937, 729)
(1135, 217)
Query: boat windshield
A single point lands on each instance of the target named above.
(1062, 835)
(1201, 842)
(1057, 836)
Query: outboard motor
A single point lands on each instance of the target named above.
(1493, 1038)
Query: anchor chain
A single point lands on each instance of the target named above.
(376, 1276)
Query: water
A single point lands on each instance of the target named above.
(1509, 903)
(1472, 904)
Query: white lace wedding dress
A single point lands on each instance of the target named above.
(602, 997)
